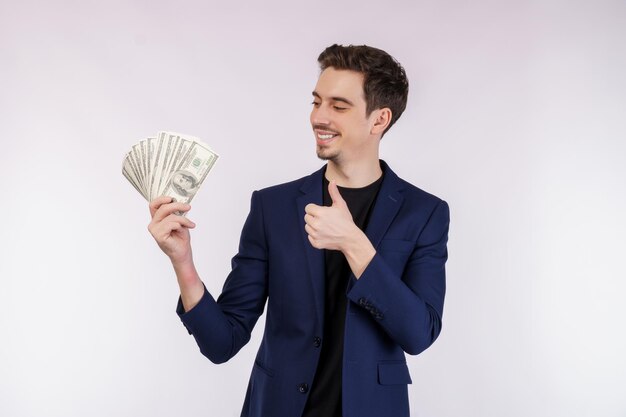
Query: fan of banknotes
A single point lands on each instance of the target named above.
(170, 164)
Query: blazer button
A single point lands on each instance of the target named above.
(303, 388)
(317, 342)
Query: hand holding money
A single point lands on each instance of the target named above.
(168, 171)
(171, 230)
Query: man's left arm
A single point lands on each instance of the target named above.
(408, 307)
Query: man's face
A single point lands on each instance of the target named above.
(342, 131)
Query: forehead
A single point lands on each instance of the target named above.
(341, 83)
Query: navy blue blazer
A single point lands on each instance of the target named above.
(394, 307)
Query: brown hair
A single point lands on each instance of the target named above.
(385, 83)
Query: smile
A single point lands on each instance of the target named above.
(325, 135)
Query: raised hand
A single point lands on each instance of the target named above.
(330, 227)
(333, 228)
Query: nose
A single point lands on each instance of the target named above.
(320, 115)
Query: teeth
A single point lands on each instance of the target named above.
(325, 136)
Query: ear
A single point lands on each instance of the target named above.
(382, 118)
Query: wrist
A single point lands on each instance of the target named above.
(352, 241)
(186, 273)
(358, 251)
(190, 284)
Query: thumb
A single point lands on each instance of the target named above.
(334, 193)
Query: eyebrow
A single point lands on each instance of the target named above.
(343, 100)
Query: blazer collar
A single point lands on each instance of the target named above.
(388, 202)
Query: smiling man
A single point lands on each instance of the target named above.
(350, 261)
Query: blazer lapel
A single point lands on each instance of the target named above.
(387, 204)
(312, 193)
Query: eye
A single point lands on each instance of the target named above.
(315, 103)
(339, 108)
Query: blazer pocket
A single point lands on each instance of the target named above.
(393, 373)
(267, 371)
(396, 253)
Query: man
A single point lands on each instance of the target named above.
(350, 261)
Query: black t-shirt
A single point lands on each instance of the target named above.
(325, 396)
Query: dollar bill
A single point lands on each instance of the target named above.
(190, 173)
(169, 164)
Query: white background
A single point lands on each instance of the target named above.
(516, 117)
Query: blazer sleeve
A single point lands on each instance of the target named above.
(409, 308)
(221, 328)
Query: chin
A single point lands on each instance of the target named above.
(327, 154)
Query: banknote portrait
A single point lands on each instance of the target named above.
(185, 183)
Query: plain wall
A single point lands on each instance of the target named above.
(516, 117)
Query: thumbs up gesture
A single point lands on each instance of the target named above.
(330, 227)
(333, 228)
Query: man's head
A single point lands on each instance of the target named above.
(360, 94)
(384, 80)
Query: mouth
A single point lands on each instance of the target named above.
(325, 136)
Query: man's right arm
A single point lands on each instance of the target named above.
(221, 328)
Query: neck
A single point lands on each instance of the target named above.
(356, 174)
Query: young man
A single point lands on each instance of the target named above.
(350, 261)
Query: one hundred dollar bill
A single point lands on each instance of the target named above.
(190, 173)
(170, 164)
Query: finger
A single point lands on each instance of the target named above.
(176, 226)
(334, 193)
(170, 208)
(312, 209)
(167, 209)
(158, 202)
(309, 230)
(308, 219)
(157, 228)
(165, 228)
(315, 243)
(163, 231)
(183, 221)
